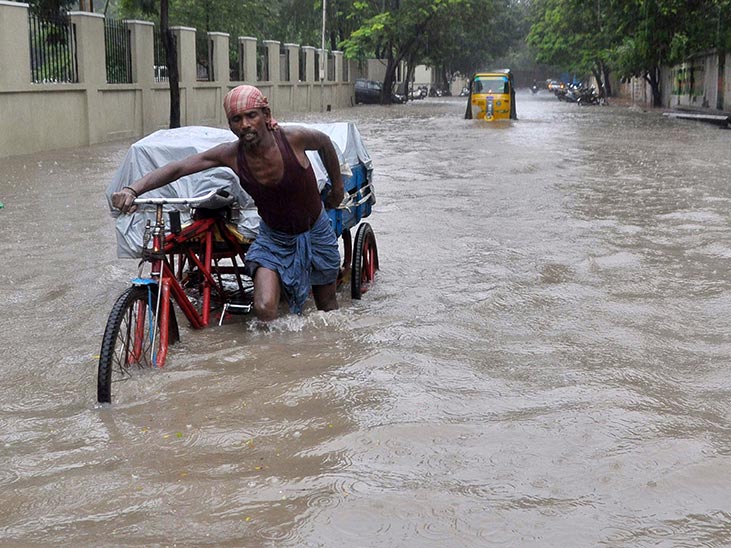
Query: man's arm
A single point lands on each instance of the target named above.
(312, 139)
(215, 157)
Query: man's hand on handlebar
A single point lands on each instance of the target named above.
(124, 200)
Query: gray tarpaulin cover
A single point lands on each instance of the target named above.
(168, 145)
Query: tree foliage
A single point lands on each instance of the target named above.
(629, 37)
(50, 8)
(455, 35)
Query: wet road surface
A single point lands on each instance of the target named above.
(543, 360)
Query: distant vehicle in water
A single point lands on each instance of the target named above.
(369, 92)
(555, 86)
(491, 96)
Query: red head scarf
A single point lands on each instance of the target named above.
(246, 97)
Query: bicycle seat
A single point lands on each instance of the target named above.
(220, 200)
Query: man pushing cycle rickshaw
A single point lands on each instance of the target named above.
(294, 249)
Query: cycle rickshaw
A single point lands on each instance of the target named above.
(191, 237)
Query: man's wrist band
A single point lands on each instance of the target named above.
(132, 190)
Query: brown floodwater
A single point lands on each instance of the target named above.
(543, 361)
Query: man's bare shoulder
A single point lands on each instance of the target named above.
(302, 137)
(225, 153)
(224, 149)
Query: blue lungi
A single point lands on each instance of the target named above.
(301, 260)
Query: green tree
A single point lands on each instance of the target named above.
(577, 36)
(463, 42)
(51, 8)
(451, 34)
(665, 32)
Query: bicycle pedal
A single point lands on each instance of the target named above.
(235, 309)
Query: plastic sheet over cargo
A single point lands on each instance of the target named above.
(165, 146)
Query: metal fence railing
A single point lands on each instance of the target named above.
(160, 61)
(262, 63)
(303, 65)
(118, 52)
(53, 57)
(330, 66)
(234, 65)
(203, 57)
(284, 75)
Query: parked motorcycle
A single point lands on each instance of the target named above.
(588, 96)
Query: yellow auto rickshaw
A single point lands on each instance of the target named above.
(491, 96)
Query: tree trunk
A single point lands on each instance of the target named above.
(171, 60)
(720, 98)
(607, 82)
(653, 78)
(389, 79)
(410, 67)
(445, 80)
(596, 71)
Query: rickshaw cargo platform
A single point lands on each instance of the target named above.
(164, 146)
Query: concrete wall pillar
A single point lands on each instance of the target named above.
(143, 56)
(221, 71)
(294, 61)
(338, 66)
(272, 47)
(90, 57)
(92, 65)
(322, 57)
(14, 45)
(247, 58)
(309, 64)
(143, 59)
(187, 67)
(185, 41)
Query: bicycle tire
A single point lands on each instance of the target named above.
(118, 356)
(365, 261)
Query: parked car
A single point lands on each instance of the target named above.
(369, 92)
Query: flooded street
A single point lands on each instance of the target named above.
(543, 361)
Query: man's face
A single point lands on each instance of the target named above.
(250, 125)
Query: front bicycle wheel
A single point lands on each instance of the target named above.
(131, 339)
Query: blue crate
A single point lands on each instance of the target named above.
(343, 218)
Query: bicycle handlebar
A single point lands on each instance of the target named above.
(348, 201)
(187, 201)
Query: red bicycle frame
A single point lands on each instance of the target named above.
(194, 245)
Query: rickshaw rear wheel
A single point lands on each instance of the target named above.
(127, 341)
(365, 261)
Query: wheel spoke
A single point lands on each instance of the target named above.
(127, 343)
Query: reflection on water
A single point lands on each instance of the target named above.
(542, 361)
